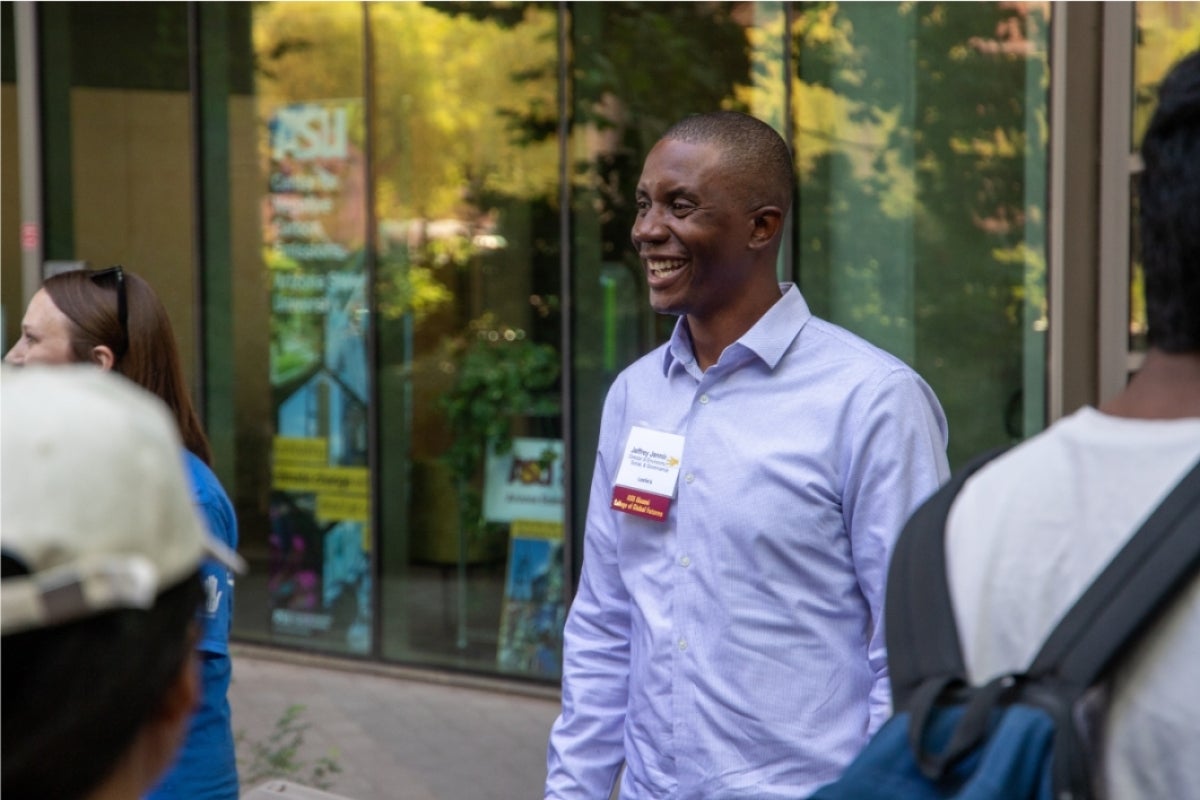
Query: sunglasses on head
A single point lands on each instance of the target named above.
(117, 273)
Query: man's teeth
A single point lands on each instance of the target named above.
(661, 269)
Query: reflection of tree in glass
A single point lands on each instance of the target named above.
(464, 173)
(445, 146)
(938, 131)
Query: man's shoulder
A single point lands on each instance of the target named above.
(1117, 457)
(1089, 438)
(833, 337)
(1028, 460)
(851, 358)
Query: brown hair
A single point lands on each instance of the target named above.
(151, 358)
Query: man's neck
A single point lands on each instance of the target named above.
(1166, 387)
(711, 334)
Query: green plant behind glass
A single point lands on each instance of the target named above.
(500, 376)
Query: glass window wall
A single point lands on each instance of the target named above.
(302, 322)
(466, 185)
(409, 277)
(921, 136)
(404, 263)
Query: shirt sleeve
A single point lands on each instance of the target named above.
(217, 612)
(898, 459)
(586, 748)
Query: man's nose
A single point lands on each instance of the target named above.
(648, 227)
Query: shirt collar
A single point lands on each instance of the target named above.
(769, 338)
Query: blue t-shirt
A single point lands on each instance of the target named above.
(206, 766)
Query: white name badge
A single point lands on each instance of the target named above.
(648, 473)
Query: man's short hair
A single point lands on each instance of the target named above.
(1169, 202)
(751, 147)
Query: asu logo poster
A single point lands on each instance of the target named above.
(314, 229)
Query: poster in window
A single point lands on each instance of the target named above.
(526, 482)
(533, 613)
(314, 226)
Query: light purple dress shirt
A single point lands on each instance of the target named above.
(736, 650)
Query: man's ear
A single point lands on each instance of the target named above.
(103, 357)
(183, 695)
(165, 729)
(766, 224)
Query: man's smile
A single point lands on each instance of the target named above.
(663, 267)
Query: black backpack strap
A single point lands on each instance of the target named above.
(1154, 564)
(924, 653)
(921, 634)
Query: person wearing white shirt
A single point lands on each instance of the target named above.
(1032, 529)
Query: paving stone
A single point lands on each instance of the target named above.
(396, 736)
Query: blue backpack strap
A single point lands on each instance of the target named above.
(921, 634)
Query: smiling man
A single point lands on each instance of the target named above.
(752, 474)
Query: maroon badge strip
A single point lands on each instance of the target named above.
(641, 504)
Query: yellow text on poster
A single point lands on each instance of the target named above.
(335, 480)
(355, 507)
(301, 451)
(535, 529)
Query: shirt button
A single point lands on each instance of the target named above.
(684, 561)
(703, 399)
(682, 645)
(689, 478)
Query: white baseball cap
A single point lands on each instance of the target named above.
(94, 500)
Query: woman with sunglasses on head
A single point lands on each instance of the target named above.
(115, 320)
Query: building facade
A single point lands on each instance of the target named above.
(394, 241)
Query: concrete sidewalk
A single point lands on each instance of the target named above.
(397, 734)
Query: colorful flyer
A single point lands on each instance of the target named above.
(531, 622)
(524, 483)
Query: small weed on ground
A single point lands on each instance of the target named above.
(277, 756)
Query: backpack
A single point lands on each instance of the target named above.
(1015, 737)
